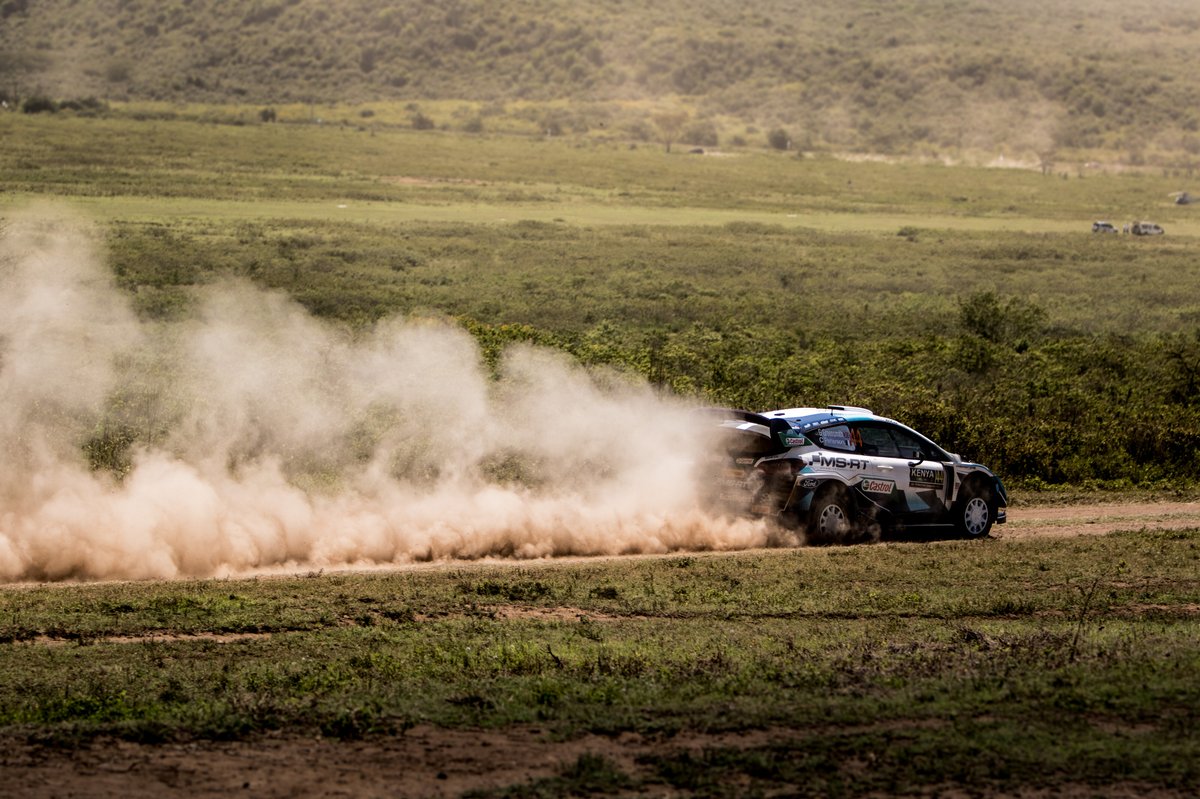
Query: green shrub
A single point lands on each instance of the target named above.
(39, 104)
(779, 139)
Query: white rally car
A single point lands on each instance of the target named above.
(843, 473)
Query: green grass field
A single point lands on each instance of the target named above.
(974, 304)
(999, 665)
(756, 279)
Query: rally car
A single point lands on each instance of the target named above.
(843, 473)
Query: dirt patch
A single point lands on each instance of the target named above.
(424, 762)
(548, 614)
(1075, 520)
(216, 638)
(412, 180)
(520, 612)
(1183, 609)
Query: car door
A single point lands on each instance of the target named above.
(858, 454)
(920, 485)
(886, 480)
(930, 475)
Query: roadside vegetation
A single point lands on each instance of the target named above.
(982, 340)
(1018, 662)
(971, 303)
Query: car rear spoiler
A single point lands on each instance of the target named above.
(773, 430)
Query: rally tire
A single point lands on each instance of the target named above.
(976, 512)
(830, 521)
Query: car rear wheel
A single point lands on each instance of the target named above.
(829, 521)
(976, 512)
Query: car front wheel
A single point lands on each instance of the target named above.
(977, 513)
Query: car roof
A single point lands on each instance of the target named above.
(805, 418)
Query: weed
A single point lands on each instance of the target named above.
(519, 591)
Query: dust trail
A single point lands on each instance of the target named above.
(253, 436)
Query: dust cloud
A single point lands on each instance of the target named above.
(254, 437)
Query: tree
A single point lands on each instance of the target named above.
(1046, 161)
(670, 126)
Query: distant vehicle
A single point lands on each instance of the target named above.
(840, 471)
(1145, 229)
(1183, 198)
(1104, 227)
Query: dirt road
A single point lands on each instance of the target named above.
(1098, 519)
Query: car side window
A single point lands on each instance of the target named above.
(838, 437)
(877, 441)
(909, 446)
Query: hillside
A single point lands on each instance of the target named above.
(1022, 78)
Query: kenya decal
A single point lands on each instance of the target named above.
(924, 477)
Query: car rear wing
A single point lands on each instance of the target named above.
(748, 433)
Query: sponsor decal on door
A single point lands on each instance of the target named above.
(873, 485)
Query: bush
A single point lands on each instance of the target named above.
(38, 104)
(1014, 320)
(779, 139)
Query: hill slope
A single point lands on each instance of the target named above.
(1022, 75)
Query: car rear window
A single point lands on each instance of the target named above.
(837, 437)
